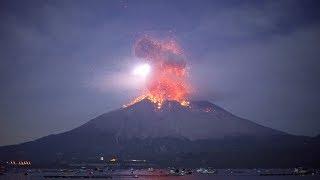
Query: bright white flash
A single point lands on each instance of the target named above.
(142, 70)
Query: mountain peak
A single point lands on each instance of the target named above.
(199, 120)
(169, 105)
(166, 105)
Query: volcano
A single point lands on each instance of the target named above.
(199, 134)
(199, 120)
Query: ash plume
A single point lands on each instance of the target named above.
(168, 80)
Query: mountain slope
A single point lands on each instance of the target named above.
(202, 134)
(202, 120)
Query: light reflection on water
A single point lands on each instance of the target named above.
(187, 177)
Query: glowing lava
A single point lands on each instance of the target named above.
(168, 78)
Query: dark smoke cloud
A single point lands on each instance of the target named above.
(158, 52)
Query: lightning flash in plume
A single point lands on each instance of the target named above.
(168, 78)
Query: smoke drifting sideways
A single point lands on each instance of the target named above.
(168, 78)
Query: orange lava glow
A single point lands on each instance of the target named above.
(168, 78)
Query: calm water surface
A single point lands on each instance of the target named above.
(221, 174)
(189, 177)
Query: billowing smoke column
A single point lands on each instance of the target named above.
(167, 80)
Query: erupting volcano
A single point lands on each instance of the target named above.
(168, 78)
(164, 128)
